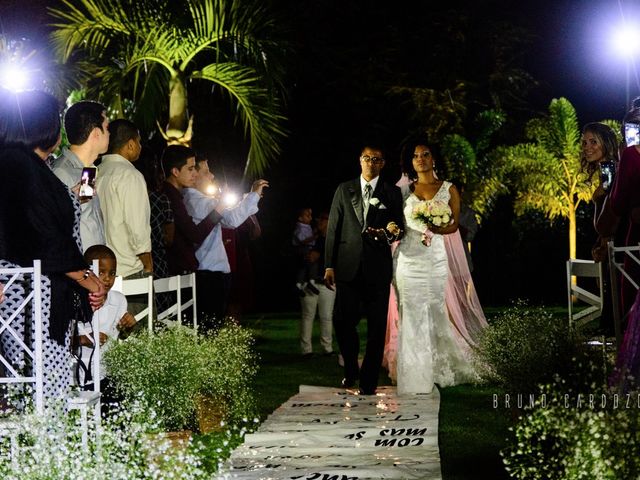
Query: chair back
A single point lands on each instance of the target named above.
(617, 256)
(593, 299)
(177, 284)
(141, 286)
(15, 322)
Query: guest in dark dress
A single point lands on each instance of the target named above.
(625, 203)
(39, 219)
(621, 211)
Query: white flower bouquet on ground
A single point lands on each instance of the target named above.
(432, 213)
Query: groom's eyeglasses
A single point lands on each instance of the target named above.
(372, 160)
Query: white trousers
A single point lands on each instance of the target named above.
(323, 304)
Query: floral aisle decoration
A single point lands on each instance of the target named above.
(526, 346)
(571, 436)
(431, 213)
(48, 447)
(229, 366)
(161, 371)
(171, 369)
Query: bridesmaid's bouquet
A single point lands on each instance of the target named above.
(431, 213)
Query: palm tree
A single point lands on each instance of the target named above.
(142, 50)
(545, 173)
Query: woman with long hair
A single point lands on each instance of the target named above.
(435, 330)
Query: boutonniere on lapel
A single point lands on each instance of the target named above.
(375, 202)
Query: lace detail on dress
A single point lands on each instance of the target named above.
(428, 350)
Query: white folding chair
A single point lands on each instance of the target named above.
(30, 310)
(189, 281)
(581, 269)
(176, 284)
(8, 326)
(141, 286)
(84, 400)
(616, 267)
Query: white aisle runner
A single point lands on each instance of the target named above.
(328, 434)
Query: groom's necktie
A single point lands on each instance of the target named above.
(365, 199)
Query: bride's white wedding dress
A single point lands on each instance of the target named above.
(429, 351)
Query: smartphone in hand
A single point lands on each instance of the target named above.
(87, 183)
(632, 134)
(607, 174)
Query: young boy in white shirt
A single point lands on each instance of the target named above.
(112, 318)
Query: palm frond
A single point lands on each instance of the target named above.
(136, 46)
(558, 132)
(91, 26)
(258, 112)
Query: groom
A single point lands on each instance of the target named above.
(365, 217)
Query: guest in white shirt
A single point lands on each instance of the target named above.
(125, 202)
(214, 273)
(86, 125)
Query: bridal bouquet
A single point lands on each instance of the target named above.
(430, 213)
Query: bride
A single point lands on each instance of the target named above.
(431, 349)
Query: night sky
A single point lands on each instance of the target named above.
(340, 47)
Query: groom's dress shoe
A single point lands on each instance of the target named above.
(348, 383)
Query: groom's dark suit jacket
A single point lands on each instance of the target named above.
(346, 247)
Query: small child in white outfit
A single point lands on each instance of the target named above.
(112, 317)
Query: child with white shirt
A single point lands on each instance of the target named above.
(112, 318)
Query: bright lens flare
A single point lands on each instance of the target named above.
(211, 189)
(13, 78)
(230, 199)
(626, 40)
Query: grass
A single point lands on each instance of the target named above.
(472, 431)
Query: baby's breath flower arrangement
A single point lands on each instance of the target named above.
(525, 346)
(568, 440)
(170, 370)
(229, 368)
(49, 448)
(161, 370)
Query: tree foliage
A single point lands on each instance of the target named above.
(145, 50)
(466, 161)
(545, 174)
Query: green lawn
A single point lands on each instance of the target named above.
(472, 432)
